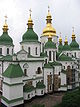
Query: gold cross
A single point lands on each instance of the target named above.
(60, 34)
(30, 11)
(48, 9)
(5, 18)
(73, 29)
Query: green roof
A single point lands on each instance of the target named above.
(47, 65)
(55, 63)
(40, 85)
(28, 88)
(6, 58)
(30, 35)
(74, 45)
(60, 47)
(57, 54)
(13, 71)
(64, 57)
(43, 54)
(5, 39)
(50, 44)
(66, 47)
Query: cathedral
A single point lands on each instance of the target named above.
(40, 67)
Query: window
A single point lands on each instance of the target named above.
(36, 50)
(25, 72)
(64, 67)
(72, 67)
(0, 51)
(29, 51)
(38, 70)
(75, 54)
(50, 87)
(45, 61)
(41, 91)
(49, 55)
(28, 95)
(42, 81)
(59, 73)
(53, 56)
(12, 51)
(67, 54)
(7, 50)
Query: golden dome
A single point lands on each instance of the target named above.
(60, 39)
(66, 41)
(49, 30)
(5, 26)
(73, 35)
(30, 21)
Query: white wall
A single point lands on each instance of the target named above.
(63, 79)
(32, 94)
(52, 50)
(47, 71)
(38, 92)
(31, 70)
(32, 46)
(57, 69)
(4, 49)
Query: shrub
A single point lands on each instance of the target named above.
(38, 105)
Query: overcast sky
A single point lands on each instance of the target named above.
(65, 14)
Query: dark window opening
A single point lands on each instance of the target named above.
(28, 95)
(29, 50)
(49, 55)
(0, 51)
(41, 91)
(7, 50)
(36, 51)
(25, 72)
(38, 71)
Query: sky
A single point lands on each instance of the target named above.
(65, 15)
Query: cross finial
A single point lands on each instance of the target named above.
(48, 9)
(30, 12)
(5, 18)
(73, 29)
(60, 33)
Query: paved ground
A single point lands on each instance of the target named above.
(48, 100)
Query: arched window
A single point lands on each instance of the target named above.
(25, 72)
(36, 50)
(38, 71)
(41, 91)
(29, 50)
(50, 87)
(75, 54)
(0, 51)
(7, 50)
(67, 54)
(45, 61)
(49, 55)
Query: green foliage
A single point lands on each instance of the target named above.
(38, 105)
(59, 105)
(71, 99)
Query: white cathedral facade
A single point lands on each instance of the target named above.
(40, 67)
